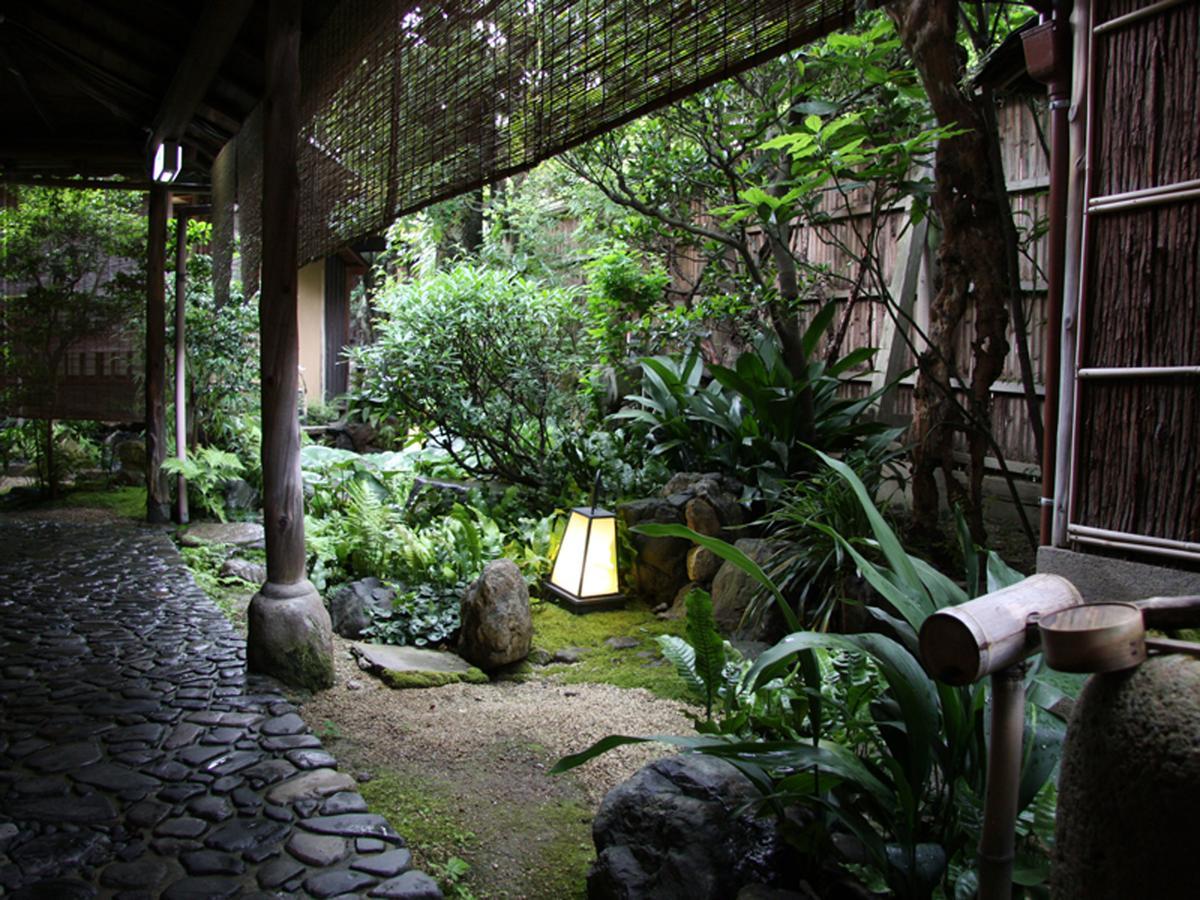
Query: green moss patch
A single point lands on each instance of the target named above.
(641, 666)
(443, 826)
(126, 502)
(401, 679)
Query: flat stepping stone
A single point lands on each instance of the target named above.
(241, 534)
(413, 667)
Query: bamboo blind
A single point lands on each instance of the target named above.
(405, 105)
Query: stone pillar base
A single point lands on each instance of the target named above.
(290, 635)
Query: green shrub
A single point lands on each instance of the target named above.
(744, 420)
(486, 365)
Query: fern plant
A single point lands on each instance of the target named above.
(206, 471)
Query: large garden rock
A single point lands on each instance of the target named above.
(497, 626)
(708, 503)
(240, 495)
(682, 828)
(1129, 784)
(235, 567)
(351, 606)
(733, 591)
(660, 567)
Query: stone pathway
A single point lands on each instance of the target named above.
(137, 757)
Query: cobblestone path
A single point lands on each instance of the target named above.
(137, 757)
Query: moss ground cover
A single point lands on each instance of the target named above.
(641, 666)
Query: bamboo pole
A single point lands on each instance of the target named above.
(996, 843)
(181, 500)
(157, 497)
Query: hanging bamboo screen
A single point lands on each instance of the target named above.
(408, 104)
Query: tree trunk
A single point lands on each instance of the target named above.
(971, 261)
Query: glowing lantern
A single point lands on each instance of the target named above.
(585, 570)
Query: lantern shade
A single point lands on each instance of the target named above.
(585, 570)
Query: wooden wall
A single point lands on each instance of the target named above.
(1137, 436)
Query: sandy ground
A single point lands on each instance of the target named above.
(449, 727)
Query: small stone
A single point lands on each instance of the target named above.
(278, 813)
(278, 871)
(242, 834)
(246, 798)
(212, 862)
(201, 753)
(317, 850)
(142, 873)
(62, 759)
(269, 771)
(412, 885)
(178, 793)
(184, 735)
(311, 759)
(291, 742)
(207, 886)
(212, 809)
(226, 784)
(330, 884)
(569, 655)
(368, 845)
(344, 802)
(354, 684)
(351, 825)
(232, 763)
(281, 725)
(386, 865)
(700, 516)
(147, 813)
(622, 643)
(112, 777)
(313, 784)
(181, 827)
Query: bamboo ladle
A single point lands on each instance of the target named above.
(1109, 637)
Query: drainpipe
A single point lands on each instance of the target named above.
(1048, 59)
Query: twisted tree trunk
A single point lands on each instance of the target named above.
(972, 267)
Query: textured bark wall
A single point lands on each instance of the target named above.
(1139, 439)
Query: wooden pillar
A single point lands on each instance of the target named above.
(181, 256)
(283, 509)
(289, 631)
(157, 496)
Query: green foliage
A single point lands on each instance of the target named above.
(623, 288)
(745, 421)
(428, 614)
(812, 569)
(708, 649)
(361, 523)
(893, 762)
(206, 471)
(484, 364)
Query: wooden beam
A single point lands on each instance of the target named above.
(211, 39)
(283, 507)
(99, 184)
(157, 496)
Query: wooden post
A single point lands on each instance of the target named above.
(283, 510)
(157, 496)
(181, 500)
(289, 632)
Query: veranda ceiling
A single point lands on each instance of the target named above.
(403, 103)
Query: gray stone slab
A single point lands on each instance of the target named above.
(310, 785)
(414, 666)
(241, 534)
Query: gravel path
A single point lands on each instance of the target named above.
(453, 726)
